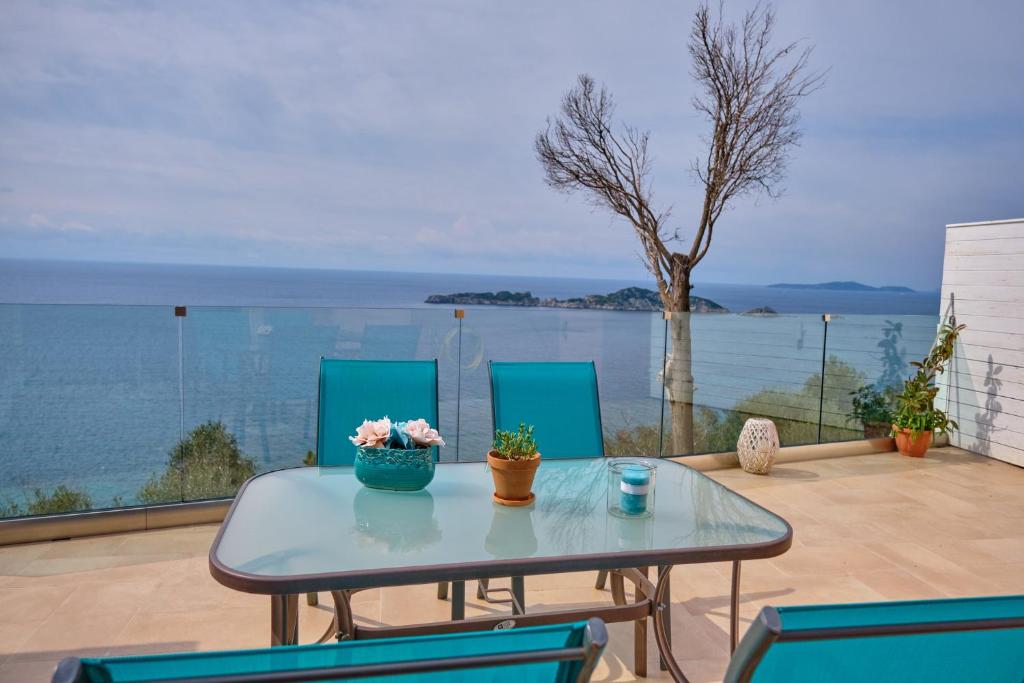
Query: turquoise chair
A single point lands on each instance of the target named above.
(939, 641)
(355, 390)
(550, 396)
(563, 653)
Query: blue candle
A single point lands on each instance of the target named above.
(636, 483)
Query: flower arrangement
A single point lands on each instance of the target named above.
(402, 436)
(395, 456)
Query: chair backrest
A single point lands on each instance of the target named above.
(561, 653)
(966, 639)
(559, 399)
(355, 390)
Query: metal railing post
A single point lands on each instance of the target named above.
(459, 315)
(825, 318)
(180, 312)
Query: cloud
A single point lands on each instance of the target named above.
(41, 223)
(303, 133)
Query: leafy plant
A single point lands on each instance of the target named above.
(794, 412)
(206, 464)
(871, 406)
(894, 359)
(62, 499)
(915, 405)
(519, 445)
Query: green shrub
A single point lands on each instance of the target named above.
(207, 464)
(794, 412)
(62, 499)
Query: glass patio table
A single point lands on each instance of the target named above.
(311, 529)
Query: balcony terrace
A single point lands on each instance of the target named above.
(866, 527)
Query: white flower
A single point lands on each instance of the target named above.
(372, 434)
(422, 434)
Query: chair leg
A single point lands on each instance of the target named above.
(640, 635)
(442, 590)
(343, 614)
(602, 579)
(618, 589)
(481, 588)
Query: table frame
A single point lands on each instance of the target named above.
(652, 599)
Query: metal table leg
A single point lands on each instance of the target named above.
(662, 633)
(668, 612)
(734, 607)
(284, 620)
(518, 595)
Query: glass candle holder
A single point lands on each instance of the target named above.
(631, 487)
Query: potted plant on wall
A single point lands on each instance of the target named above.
(872, 408)
(916, 418)
(514, 461)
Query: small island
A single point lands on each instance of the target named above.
(845, 286)
(628, 299)
(762, 311)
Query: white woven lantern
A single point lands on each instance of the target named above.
(758, 445)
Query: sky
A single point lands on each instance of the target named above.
(399, 135)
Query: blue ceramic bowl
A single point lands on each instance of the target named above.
(394, 469)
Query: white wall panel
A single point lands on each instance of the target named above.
(983, 274)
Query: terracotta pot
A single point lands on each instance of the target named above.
(912, 447)
(513, 479)
(876, 430)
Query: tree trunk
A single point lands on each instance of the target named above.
(679, 374)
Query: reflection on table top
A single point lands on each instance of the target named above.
(322, 521)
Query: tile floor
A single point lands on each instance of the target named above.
(871, 527)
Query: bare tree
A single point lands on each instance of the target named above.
(749, 92)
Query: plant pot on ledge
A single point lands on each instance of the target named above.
(910, 445)
(877, 430)
(916, 418)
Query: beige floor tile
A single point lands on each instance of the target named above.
(79, 632)
(32, 603)
(14, 635)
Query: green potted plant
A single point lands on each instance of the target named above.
(514, 461)
(872, 408)
(916, 418)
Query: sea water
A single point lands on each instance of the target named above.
(99, 379)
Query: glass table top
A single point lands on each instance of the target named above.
(321, 521)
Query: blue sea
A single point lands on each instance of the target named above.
(99, 379)
(73, 282)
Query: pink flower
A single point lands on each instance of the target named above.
(372, 434)
(422, 434)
